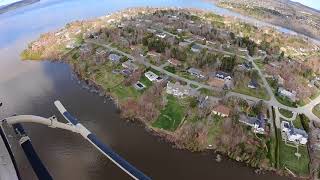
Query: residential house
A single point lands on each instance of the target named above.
(115, 58)
(258, 124)
(221, 110)
(151, 76)
(292, 134)
(196, 48)
(161, 35)
(196, 72)
(174, 62)
(253, 84)
(223, 75)
(130, 65)
(177, 89)
(139, 86)
(285, 93)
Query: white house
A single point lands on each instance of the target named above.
(161, 35)
(288, 94)
(292, 134)
(177, 89)
(151, 76)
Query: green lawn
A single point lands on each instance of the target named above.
(272, 148)
(171, 116)
(215, 128)
(208, 92)
(186, 75)
(144, 80)
(316, 110)
(290, 161)
(286, 113)
(170, 69)
(285, 101)
(297, 123)
(124, 92)
(258, 93)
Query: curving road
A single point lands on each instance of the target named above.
(306, 109)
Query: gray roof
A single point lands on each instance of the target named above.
(194, 71)
(114, 57)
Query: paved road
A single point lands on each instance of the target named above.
(307, 109)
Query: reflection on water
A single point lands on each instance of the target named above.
(31, 87)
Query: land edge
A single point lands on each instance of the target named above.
(163, 135)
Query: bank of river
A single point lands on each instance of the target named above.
(31, 87)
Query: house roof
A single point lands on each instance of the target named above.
(222, 109)
(174, 62)
(194, 71)
(114, 57)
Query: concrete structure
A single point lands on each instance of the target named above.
(178, 90)
(221, 110)
(292, 134)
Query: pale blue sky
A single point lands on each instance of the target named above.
(311, 3)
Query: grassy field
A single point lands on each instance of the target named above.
(144, 80)
(285, 101)
(258, 93)
(215, 128)
(170, 69)
(112, 82)
(171, 116)
(297, 123)
(316, 110)
(286, 113)
(289, 160)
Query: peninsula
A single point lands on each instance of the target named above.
(202, 81)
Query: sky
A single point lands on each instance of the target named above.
(311, 3)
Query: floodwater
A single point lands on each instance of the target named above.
(30, 87)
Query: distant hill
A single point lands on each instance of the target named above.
(16, 5)
(285, 13)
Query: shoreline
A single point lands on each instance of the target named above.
(161, 135)
(168, 136)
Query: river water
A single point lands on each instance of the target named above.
(30, 87)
